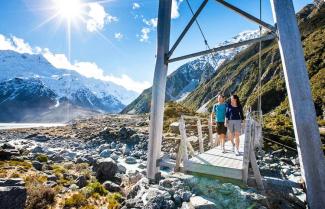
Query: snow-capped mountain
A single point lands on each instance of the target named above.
(188, 76)
(67, 85)
(20, 97)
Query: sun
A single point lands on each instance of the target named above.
(68, 9)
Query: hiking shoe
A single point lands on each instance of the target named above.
(236, 152)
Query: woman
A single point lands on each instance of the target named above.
(219, 113)
(234, 117)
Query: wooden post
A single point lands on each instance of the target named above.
(184, 138)
(158, 90)
(210, 131)
(302, 108)
(199, 133)
(246, 149)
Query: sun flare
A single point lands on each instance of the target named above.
(68, 9)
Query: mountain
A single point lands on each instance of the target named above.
(189, 76)
(29, 100)
(240, 74)
(67, 85)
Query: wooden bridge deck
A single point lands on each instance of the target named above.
(214, 162)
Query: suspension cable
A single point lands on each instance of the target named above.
(202, 34)
(259, 99)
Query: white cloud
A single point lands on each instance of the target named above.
(15, 44)
(97, 17)
(175, 8)
(153, 22)
(144, 34)
(118, 36)
(135, 6)
(87, 69)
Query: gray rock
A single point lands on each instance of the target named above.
(52, 177)
(38, 149)
(6, 154)
(130, 160)
(105, 169)
(186, 196)
(81, 181)
(111, 186)
(37, 165)
(56, 158)
(7, 146)
(13, 194)
(105, 153)
(198, 202)
(114, 156)
(50, 184)
(121, 169)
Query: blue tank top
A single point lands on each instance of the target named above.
(220, 112)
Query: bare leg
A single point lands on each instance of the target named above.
(222, 140)
(237, 134)
(231, 137)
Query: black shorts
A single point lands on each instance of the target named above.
(221, 128)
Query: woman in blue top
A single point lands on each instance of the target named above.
(234, 117)
(219, 113)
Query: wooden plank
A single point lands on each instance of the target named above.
(158, 90)
(214, 162)
(199, 131)
(312, 162)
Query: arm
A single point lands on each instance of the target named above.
(227, 115)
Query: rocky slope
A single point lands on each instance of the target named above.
(190, 75)
(100, 162)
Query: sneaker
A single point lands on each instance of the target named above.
(236, 152)
(223, 150)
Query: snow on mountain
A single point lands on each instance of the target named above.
(188, 76)
(63, 82)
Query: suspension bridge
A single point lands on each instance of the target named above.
(287, 34)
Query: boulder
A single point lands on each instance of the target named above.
(81, 181)
(105, 169)
(37, 165)
(38, 149)
(111, 186)
(7, 146)
(198, 202)
(105, 153)
(6, 154)
(13, 194)
(121, 169)
(130, 160)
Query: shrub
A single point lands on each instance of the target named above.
(75, 200)
(38, 195)
(114, 200)
(42, 158)
(95, 188)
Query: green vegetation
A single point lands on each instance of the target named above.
(95, 188)
(75, 200)
(38, 195)
(173, 111)
(114, 200)
(42, 158)
(240, 76)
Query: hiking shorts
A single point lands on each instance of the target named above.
(234, 126)
(221, 128)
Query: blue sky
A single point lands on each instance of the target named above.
(116, 40)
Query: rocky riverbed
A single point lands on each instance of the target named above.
(100, 162)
